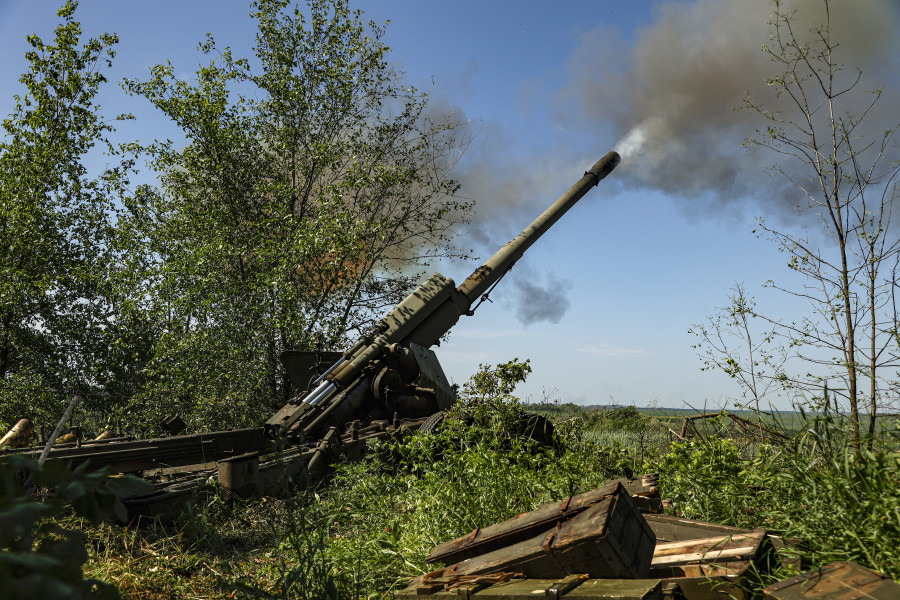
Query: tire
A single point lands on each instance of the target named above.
(539, 429)
(433, 423)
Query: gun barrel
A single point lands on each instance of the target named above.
(503, 260)
(369, 371)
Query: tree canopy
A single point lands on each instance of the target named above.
(310, 188)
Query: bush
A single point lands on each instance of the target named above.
(379, 519)
(842, 501)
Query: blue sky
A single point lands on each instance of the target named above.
(655, 248)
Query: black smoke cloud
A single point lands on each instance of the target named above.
(510, 191)
(539, 298)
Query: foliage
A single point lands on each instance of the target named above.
(487, 406)
(56, 223)
(378, 520)
(730, 342)
(313, 184)
(627, 418)
(843, 502)
(38, 557)
(370, 529)
(497, 384)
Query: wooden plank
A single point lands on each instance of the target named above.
(676, 529)
(737, 553)
(732, 547)
(672, 529)
(719, 541)
(716, 568)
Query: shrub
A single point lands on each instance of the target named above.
(38, 557)
(379, 519)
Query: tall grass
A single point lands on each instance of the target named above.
(842, 501)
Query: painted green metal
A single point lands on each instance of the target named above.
(572, 586)
(378, 373)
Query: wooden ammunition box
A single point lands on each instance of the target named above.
(716, 568)
(518, 529)
(837, 581)
(610, 539)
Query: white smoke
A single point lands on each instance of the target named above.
(633, 142)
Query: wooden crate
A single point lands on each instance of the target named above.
(715, 568)
(610, 539)
(678, 529)
(520, 528)
(837, 581)
(529, 524)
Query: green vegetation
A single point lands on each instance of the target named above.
(844, 176)
(368, 530)
(310, 190)
(39, 557)
(58, 247)
(311, 185)
(816, 487)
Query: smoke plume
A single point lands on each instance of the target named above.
(672, 96)
(510, 191)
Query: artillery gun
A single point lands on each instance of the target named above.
(391, 370)
(390, 378)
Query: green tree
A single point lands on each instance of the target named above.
(312, 183)
(55, 222)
